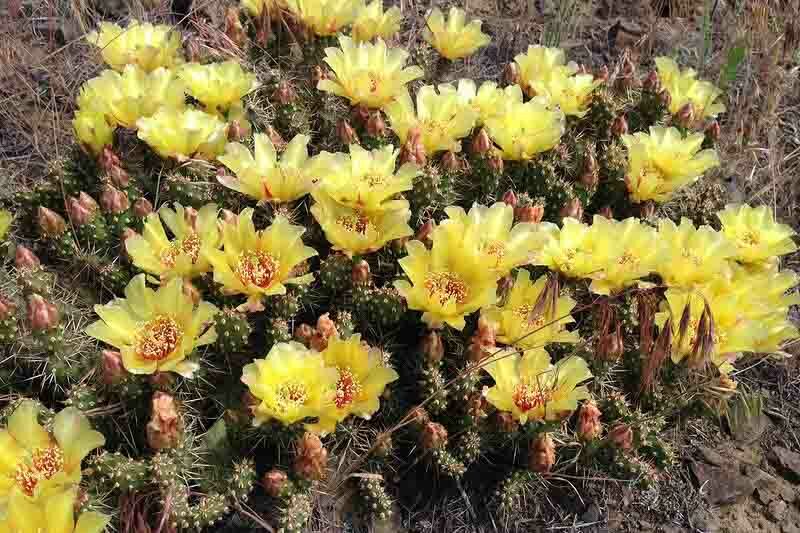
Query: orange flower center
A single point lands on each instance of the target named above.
(525, 313)
(291, 395)
(158, 338)
(347, 388)
(527, 397)
(445, 287)
(497, 250)
(44, 464)
(189, 246)
(355, 223)
(258, 268)
(751, 238)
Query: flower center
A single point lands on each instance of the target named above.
(258, 268)
(347, 388)
(628, 259)
(291, 395)
(527, 397)
(355, 223)
(158, 338)
(497, 250)
(525, 312)
(44, 464)
(445, 287)
(751, 238)
(374, 180)
(189, 246)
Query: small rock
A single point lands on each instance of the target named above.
(777, 510)
(788, 461)
(722, 485)
(713, 457)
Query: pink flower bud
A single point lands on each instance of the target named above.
(542, 455)
(621, 436)
(603, 74)
(481, 143)
(7, 308)
(119, 176)
(361, 273)
(360, 114)
(284, 93)
(79, 215)
(274, 482)
(142, 207)
(424, 231)
(651, 82)
(665, 98)
(236, 131)
(510, 198)
(108, 159)
(505, 422)
(713, 131)
(589, 426)
(165, 428)
(113, 369)
(87, 202)
(304, 333)
(113, 201)
(326, 327)
(619, 126)
(347, 135)
(311, 459)
(24, 258)
(572, 209)
(450, 162)
(376, 127)
(42, 315)
(685, 115)
(277, 141)
(433, 436)
(318, 74)
(413, 151)
(51, 223)
(432, 347)
(233, 27)
(496, 164)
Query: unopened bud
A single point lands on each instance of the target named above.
(360, 114)
(481, 143)
(606, 212)
(304, 333)
(87, 202)
(284, 93)
(361, 273)
(24, 258)
(542, 454)
(119, 176)
(433, 436)
(113, 369)
(233, 27)
(572, 209)
(165, 428)
(621, 436)
(236, 131)
(277, 140)
(685, 115)
(505, 421)
(424, 231)
(495, 163)
(476, 406)
(326, 329)
(113, 201)
(619, 126)
(713, 131)
(142, 207)
(311, 457)
(529, 213)
(610, 346)
(510, 198)
(419, 416)
(7, 308)
(317, 75)
(376, 127)
(602, 74)
(108, 159)
(589, 426)
(79, 215)
(228, 216)
(413, 151)
(450, 162)
(42, 315)
(432, 347)
(665, 98)
(51, 223)
(652, 83)
(274, 482)
(628, 70)
(347, 135)
(483, 341)
(511, 74)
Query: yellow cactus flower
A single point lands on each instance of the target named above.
(446, 283)
(532, 388)
(155, 330)
(292, 384)
(141, 44)
(622, 253)
(372, 21)
(661, 162)
(54, 514)
(263, 177)
(362, 376)
(365, 179)
(182, 134)
(37, 462)
(758, 237)
(764, 291)
(183, 256)
(92, 130)
(692, 256)
(567, 250)
(355, 231)
(453, 37)
(127, 97)
(256, 7)
(539, 64)
(523, 130)
(520, 325)
(501, 247)
(369, 74)
(217, 86)
(684, 87)
(488, 100)
(440, 119)
(259, 263)
(6, 218)
(572, 94)
(325, 17)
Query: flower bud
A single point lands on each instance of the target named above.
(274, 482)
(572, 209)
(542, 454)
(529, 213)
(311, 457)
(7, 308)
(113, 369)
(419, 416)
(361, 273)
(24, 258)
(51, 223)
(360, 114)
(108, 159)
(277, 140)
(610, 346)
(606, 212)
(433, 436)
(651, 82)
(284, 93)
(510, 198)
(326, 328)
(113, 201)
(496, 163)
(504, 285)
(481, 143)
(505, 422)
(619, 126)
(713, 131)
(233, 27)
(235, 131)
(376, 127)
(590, 179)
(317, 75)
(628, 70)
(450, 162)
(42, 315)
(483, 341)
(685, 115)
(424, 231)
(304, 333)
(589, 426)
(347, 135)
(476, 406)
(142, 207)
(602, 74)
(621, 436)
(119, 176)
(87, 202)
(413, 150)
(665, 98)
(165, 428)
(511, 74)
(228, 216)
(432, 347)
(79, 215)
